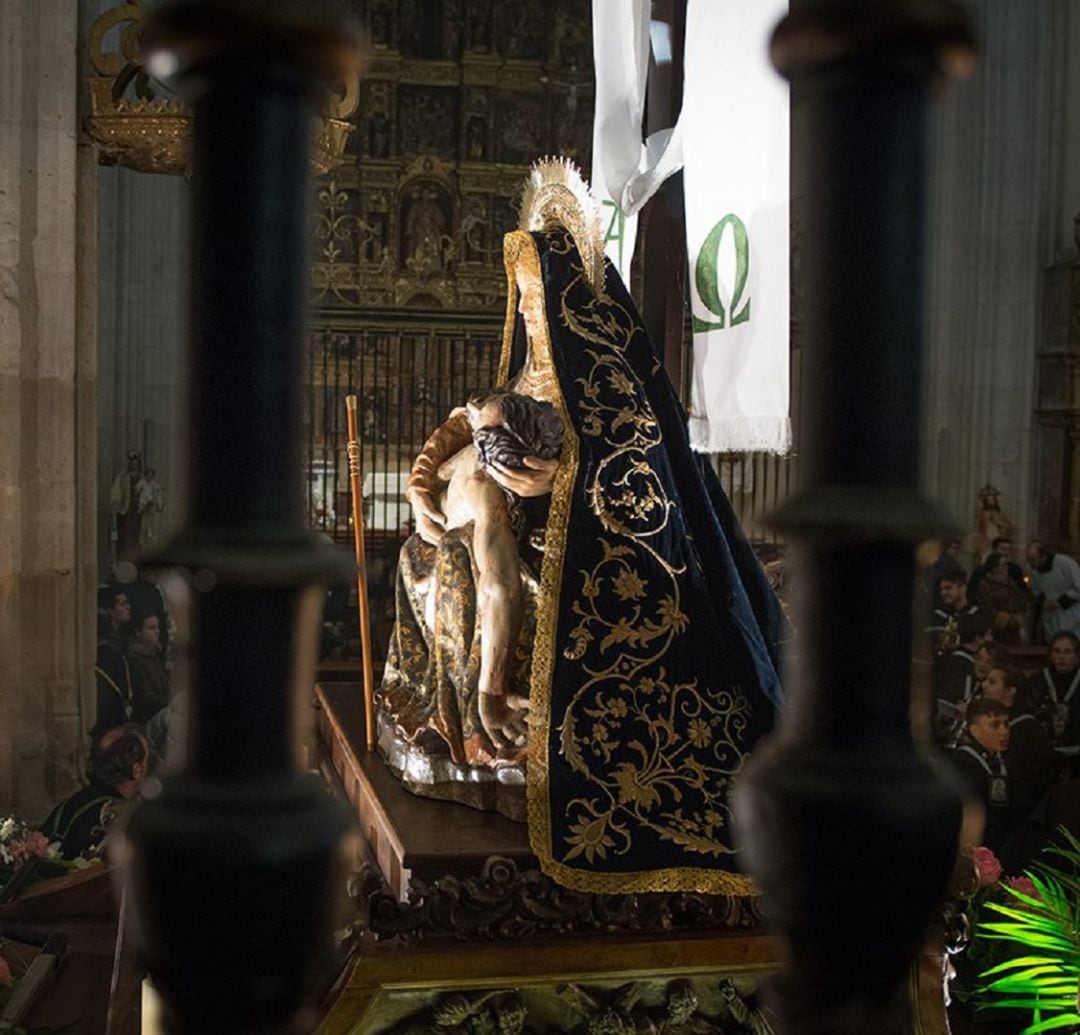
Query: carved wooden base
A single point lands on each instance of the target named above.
(700, 985)
(456, 929)
(409, 838)
(442, 870)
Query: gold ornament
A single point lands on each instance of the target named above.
(556, 195)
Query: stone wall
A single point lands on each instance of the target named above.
(142, 331)
(47, 407)
(994, 197)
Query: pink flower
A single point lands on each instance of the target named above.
(5, 972)
(38, 844)
(987, 867)
(1024, 885)
(18, 851)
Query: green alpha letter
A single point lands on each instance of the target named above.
(616, 229)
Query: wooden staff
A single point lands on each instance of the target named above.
(361, 570)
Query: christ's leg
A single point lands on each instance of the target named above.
(498, 597)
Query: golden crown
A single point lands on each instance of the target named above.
(556, 195)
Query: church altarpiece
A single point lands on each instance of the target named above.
(407, 277)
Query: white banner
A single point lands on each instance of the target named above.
(736, 158)
(626, 172)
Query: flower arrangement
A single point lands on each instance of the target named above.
(1038, 923)
(19, 843)
(26, 855)
(1022, 965)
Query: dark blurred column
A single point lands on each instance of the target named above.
(850, 830)
(233, 865)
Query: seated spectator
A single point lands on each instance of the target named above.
(979, 759)
(948, 560)
(1033, 764)
(1052, 693)
(951, 724)
(987, 657)
(111, 671)
(954, 678)
(1006, 603)
(119, 760)
(953, 602)
(146, 597)
(1056, 581)
(149, 680)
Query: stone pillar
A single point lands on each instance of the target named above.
(142, 329)
(46, 408)
(1057, 403)
(993, 193)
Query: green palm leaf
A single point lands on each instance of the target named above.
(1045, 980)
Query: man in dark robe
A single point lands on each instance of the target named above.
(119, 761)
(979, 758)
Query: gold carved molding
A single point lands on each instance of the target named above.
(136, 122)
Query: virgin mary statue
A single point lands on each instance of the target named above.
(641, 636)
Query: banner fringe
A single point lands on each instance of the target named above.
(741, 435)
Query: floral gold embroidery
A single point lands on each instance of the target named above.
(649, 753)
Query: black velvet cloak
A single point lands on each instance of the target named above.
(655, 661)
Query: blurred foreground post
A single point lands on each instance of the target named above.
(233, 865)
(850, 831)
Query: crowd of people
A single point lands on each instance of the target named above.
(1006, 672)
(1006, 680)
(134, 711)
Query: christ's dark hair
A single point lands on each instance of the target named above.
(530, 428)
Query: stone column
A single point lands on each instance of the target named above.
(46, 397)
(993, 193)
(1057, 403)
(142, 330)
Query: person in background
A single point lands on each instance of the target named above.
(999, 596)
(119, 761)
(1056, 581)
(1053, 692)
(112, 673)
(953, 602)
(149, 680)
(979, 759)
(948, 560)
(1033, 764)
(955, 679)
(1003, 546)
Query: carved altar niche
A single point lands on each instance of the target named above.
(1057, 450)
(427, 221)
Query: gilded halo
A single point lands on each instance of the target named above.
(556, 195)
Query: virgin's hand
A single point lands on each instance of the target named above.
(504, 719)
(430, 521)
(535, 479)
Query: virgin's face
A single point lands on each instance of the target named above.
(530, 302)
